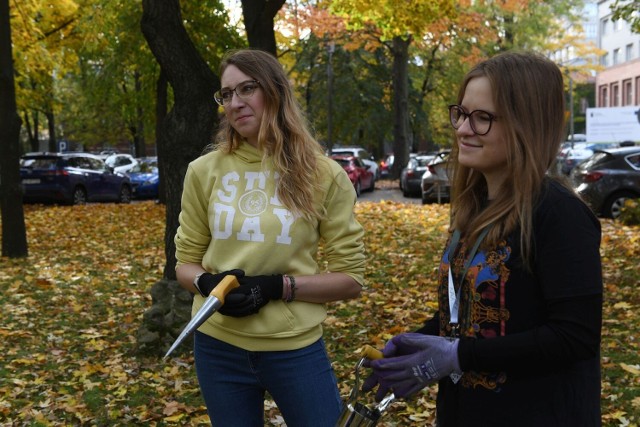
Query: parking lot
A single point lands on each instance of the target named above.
(387, 190)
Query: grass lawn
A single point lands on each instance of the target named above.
(70, 312)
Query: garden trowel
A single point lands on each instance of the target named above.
(213, 302)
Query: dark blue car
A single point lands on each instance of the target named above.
(71, 178)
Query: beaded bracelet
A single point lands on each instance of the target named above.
(286, 292)
(291, 294)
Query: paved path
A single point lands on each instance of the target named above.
(387, 190)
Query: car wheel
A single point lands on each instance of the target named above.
(373, 184)
(612, 208)
(125, 194)
(358, 187)
(79, 196)
(425, 200)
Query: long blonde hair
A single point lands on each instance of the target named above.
(528, 96)
(283, 135)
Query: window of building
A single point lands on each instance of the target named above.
(591, 30)
(627, 96)
(616, 56)
(603, 26)
(638, 90)
(615, 95)
(629, 52)
(604, 60)
(617, 24)
(604, 96)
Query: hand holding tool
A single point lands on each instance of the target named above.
(355, 413)
(253, 294)
(214, 301)
(413, 361)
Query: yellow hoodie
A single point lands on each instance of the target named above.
(231, 218)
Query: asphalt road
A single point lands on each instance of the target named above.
(387, 190)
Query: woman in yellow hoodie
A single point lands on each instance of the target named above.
(257, 206)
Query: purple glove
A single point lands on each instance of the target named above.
(411, 362)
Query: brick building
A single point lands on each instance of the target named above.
(618, 85)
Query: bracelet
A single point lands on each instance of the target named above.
(291, 294)
(286, 288)
(286, 295)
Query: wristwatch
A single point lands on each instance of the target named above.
(195, 283)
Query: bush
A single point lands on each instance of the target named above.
(630, 212)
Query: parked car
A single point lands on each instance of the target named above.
(145, 180)
(435, 180)
(360, 175)
(72, 178)
(364, 156)
(572, 154)
(121, 162)
(411, 175)
(106, 153)
(608, 178)
(385, 166)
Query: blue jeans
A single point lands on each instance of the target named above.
(233, 383)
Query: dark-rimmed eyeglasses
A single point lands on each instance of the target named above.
(479, 120)
(244, 90)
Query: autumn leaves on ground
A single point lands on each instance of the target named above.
(70, 313)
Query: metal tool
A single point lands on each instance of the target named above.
(356, 414)
(213, 302)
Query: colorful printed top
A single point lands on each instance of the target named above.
(530, 341)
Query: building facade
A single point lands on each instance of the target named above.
(618, 85)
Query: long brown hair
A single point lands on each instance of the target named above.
(283, 135)
(528, 97)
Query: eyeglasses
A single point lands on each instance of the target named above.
(244, 90)
(479, 120)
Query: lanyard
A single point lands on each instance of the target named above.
(454, 297)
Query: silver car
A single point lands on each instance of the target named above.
(435, 180)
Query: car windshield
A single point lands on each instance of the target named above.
(144, 168)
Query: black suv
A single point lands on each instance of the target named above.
(608, 178)
(72, 178)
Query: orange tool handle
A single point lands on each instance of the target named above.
(371, 353)
(224, 287)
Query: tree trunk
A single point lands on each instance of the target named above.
(400, 49)
(181, 135)
(189, 125)
(14, 233)
(51, 120)
(258, 21)
(139, 143)
(161, 114)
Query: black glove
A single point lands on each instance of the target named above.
(207, 281)
(253, 294)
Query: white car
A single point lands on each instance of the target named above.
(363, 155)
(121, 163)
(435, 183)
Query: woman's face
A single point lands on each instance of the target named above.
(244, 115)
(485, 153)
